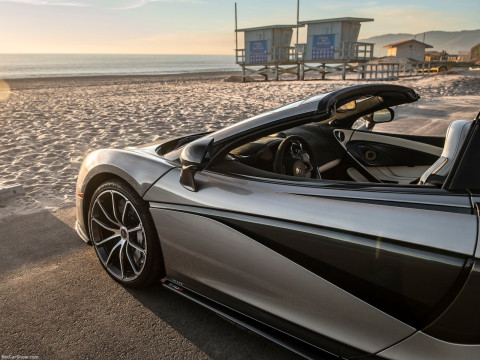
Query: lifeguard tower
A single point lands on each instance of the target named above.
(332, 47)
(333, 41)
(267, 50)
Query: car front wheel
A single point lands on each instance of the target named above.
(123, 235)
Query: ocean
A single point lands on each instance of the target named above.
(14, 66)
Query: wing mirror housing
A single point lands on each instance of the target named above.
(195, 157)
(383, 116)
(378, 117)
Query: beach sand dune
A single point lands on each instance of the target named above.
(47, 126)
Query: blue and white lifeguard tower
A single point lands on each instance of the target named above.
(332, 47)
(267, 49)
(333, 42)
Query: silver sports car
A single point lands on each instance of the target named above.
(305, 225)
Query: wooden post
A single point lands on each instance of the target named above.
(298, 20)
(343, 71)
(236, 33)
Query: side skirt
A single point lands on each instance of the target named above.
(291, 343)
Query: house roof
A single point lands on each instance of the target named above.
(269, 27)
(404, 42)
(344, 19)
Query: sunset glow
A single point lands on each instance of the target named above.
(4, 90)
(198, 26)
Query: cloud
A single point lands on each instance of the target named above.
(70, 4)
(139, 3)
(48, 3)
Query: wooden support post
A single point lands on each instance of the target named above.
(236, 32)
(243, 74)
(323, 72)
(343, 70)
(298, 21)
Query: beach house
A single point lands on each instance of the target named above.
(409, 49)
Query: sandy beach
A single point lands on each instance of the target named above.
(47, 126)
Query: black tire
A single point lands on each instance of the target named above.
(122, 232)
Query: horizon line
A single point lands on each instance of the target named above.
(92, 53)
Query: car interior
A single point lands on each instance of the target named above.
(320, 150)
(345, 147)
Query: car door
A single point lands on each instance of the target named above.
(391, 158)
(332, 263)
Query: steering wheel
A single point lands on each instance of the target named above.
(295, 157)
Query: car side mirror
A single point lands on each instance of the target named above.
(377, 117)
(195, 157)
(383, 116)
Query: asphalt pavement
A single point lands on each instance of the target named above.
(56, 302)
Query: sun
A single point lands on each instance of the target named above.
(4, 90)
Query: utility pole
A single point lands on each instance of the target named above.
(298, 18)
(236, 35)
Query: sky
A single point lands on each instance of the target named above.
(201, 26)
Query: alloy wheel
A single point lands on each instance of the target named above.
(118, 235)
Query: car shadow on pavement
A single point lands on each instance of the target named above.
(216, 336)
(33, 238)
